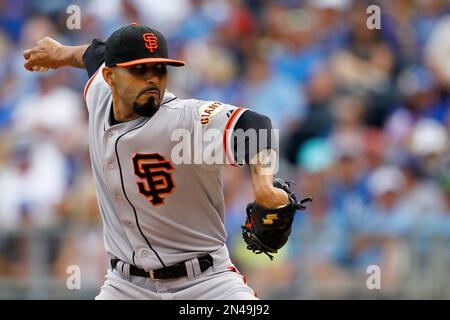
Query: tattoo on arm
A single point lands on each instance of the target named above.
(264, 163)
(255, 168)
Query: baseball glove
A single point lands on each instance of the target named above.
(267, 230)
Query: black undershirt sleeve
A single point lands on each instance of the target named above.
(94, 56)
(252, 134)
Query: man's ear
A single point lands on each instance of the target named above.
(108, 75)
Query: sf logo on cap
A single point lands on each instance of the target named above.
(151, 42)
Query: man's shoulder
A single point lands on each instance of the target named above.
(199, 107)
(196, 107)
(173, 102)
(96, 86)
(210, 113)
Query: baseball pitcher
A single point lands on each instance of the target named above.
(164, 217)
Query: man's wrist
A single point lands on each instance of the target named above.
(62, 56)
(263, 193)
(271, 197)
(70, 56)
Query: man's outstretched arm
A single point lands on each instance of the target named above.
(50, 54)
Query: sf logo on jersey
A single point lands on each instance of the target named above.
(154, 171)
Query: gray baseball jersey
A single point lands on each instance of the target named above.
(156, 211)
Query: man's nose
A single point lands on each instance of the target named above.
(152, 79)
(152, 76)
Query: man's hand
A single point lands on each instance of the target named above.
(267, 229)
(45, 55)
(50, 54)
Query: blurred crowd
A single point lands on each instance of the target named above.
(364, 128)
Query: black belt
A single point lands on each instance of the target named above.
(174, 271)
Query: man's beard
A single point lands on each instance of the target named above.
(148, 109)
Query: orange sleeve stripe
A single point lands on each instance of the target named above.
(89, 83)
(227, 129)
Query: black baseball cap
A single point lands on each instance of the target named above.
(136, 44)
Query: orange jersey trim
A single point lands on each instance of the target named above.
(89, 83)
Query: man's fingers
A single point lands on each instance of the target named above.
(33, 67)
(27, 54)
(29, 64)
(40, 69)
(36, 58)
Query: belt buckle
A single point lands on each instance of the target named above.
(152, 274)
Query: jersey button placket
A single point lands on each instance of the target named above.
(118, 197)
